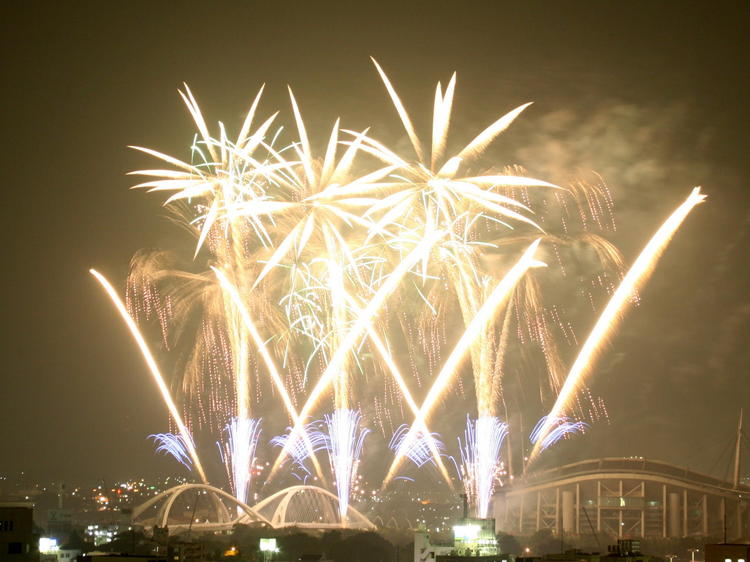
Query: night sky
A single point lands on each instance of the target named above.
(652, 95)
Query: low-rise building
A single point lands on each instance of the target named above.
(108, 557)
(473, 539)
(18, 543)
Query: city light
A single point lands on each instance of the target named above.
(48, 545)
(466, 532)
(268, 545)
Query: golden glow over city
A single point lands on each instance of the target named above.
(315, 274)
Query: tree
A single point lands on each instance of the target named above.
(508, 544)
(365, 547)
(298, 544)
(542, 542)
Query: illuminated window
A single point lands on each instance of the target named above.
(740, 560)
(727, 560)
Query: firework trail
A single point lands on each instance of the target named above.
(424, 437)
(557, 429)
(175, 446)
(287, 206)
(361, 324)
(301, 256)
(432, 194)
(421, 450)
(250, 326)
(435, 195)
(480, 456)
(238, 454)
(449, 370)
(299, 451)
(341, 435)
(154, 368)
(606, 323)
(345, 438)
(225, 170)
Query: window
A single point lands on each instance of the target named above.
(727, 560)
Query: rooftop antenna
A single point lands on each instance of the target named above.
(60, 492)
(465, 500)
(738, 454)
(509, 456)
(593, 532)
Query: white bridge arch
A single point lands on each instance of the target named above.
(218, 497)
(393, 523)
(306, 507)
(309, 507)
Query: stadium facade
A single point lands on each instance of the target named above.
(623, 498)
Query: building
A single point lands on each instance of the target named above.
(623, 498)
(623, 551)
(106, 557)
(59, 521)
(473, 539)
(68, 554)
(18, 542)
(425, 550)
(459, 558)
(103, 534)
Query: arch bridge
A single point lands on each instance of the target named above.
(307, 507)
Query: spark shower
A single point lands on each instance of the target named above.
(363, 287)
